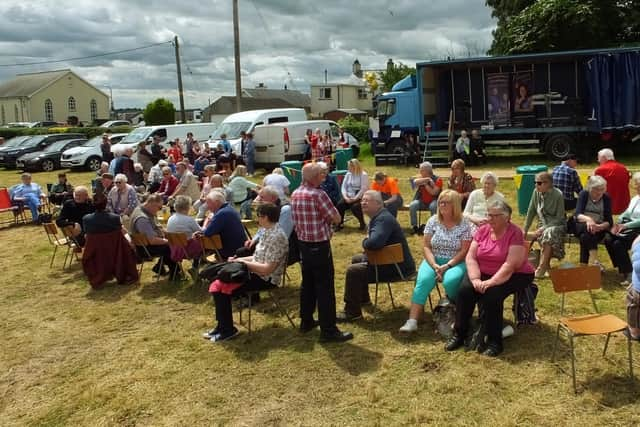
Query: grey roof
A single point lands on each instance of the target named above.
(28, 84)
(293, 97)
(227, 104)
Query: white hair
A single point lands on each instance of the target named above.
(426, 166)
(596, 181)
(489, 175)
(606, 153)
(217, 195)
(121, 177)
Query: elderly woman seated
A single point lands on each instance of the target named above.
(265, 267)
(447, 237)
(593, 219)
(547, 203)
(497, 266)
(476, 209)
(122, 199)
(461, 181)
(181, 222)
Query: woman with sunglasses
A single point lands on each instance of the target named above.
(547, 203)
(447, 237)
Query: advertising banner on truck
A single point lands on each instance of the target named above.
(499, 104)
(522, 91)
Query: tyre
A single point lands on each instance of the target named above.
(396, 147)
(558, 146)
(48, 165)
(93, 163)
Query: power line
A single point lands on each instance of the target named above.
(87, 57)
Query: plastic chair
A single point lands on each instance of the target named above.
(7, 206)
(584, 278)
(58, 242)
(389, 255)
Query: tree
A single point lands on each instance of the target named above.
(393, 74)
(551, 25)
(161, 111)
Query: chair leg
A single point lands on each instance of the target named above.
(55, 249)
(630, 359)
(606, 344)
(249, 295)
(573, 364)
(160, 265)
(393, 305)
(430, 303)
(555, 344)
(375, 302)
(280, 308)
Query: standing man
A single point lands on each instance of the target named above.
(313, 213)
(384, 230)
(105, 148)
(566, 179)
(617, 177)
(428, 187)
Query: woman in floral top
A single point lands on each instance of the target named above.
(265, 266)
(461, 181)
(447, 237)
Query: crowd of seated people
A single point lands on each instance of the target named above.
(470, 243)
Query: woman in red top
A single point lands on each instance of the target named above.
(497, 266)
(175, 151)
(168, 184)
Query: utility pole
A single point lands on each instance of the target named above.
(236, 54)
(180, 91)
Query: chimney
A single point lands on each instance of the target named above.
(356, 68)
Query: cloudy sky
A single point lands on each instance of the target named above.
(282, 41)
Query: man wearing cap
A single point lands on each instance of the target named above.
(566, 179)
(103, 185)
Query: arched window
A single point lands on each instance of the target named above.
(4, 118)
(15, 112)
(71, 103)
(94, 110)
(48, 110)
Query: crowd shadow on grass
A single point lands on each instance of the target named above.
(257, 346)
(111, 292)
(626, 391)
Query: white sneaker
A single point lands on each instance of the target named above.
(410, 325)
(599, 265)
(540, 272)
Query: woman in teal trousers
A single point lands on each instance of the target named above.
(447, 237)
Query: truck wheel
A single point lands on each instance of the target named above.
(48, 165)
(558, 146)
(93, 163)
(396, 147)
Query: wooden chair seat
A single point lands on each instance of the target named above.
(594, 324)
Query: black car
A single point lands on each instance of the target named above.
(49, 158)
(35, 143)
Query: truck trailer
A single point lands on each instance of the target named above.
(558, 102)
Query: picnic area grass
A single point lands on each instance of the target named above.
(135, 356)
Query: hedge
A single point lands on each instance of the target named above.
(357, 128)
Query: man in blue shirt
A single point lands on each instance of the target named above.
(27, 193)
(566, 179)
(225, 222)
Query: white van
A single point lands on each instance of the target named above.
(246, 121)
(279, 142)
(167, 133)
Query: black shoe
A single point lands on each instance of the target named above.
(416, 229)
(156, 269)
(209, 334)
(308, 327)
(224, 336)
(343, 316)
(336, 336)
(627, 333)
(492, 350)
(366, 303)
(454, 343)
(362, 227)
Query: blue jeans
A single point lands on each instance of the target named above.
(417, 205)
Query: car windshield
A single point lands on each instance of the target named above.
(57, 146)
(32, 142)
(15, 141)
(231, 129)
(93, 142)
(136, 136)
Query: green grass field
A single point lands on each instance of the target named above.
(134, 355)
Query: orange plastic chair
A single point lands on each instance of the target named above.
(6, 206)
(584, 278)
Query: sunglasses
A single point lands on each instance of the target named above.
(540, 182)
(119, 182)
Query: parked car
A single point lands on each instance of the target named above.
(17, 125)
(49, 158)
(45, 124)
(115, 123)
(88, 155)
(9, 156)
(14, 142)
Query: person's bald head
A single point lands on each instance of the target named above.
(312, 174)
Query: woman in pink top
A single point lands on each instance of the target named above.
(497, 267)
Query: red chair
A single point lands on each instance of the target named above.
(6, 206)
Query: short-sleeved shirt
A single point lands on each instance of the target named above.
(491, 254)
(181, 223)
(272, 247)
(446, 242)
(566, 179)
(389, 187)
(425, 196)
(279, 182)
(312, 211)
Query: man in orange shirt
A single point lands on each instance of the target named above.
(388, 187)
(617, 177)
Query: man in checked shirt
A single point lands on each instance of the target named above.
(313, 214)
